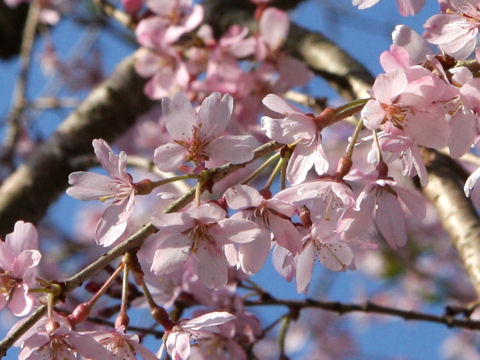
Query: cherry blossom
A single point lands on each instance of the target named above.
(197, 136)
(177, 340)
(19, 259)
(122, 346)
(200, 233)
(270, 214)
(455, 31)
(300, 129)
(54, 339)
(119, 187)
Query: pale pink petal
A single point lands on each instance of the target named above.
(335, 256)
(388, 86)
(211, 266)
(470, 94)
(25, 260)
(419, 165)
(90, 186)
(471, 182)
(214, 115)
(172, 253)
(429, 129)
(168, 157)
(253, 255)
(410, 7)
(179, 116)
(178, 345)
(207, 213)
(23, 237)
(116, 165)
(21, 302)
(240, 197)
(364, 4)
(210, 319)
(293, 71)
(275, 130)
(464, 130)
(176, 222)
(279, 105)
(113, 222)
(281, 207)
(305, 261)
(150, 32)
(373, 114)
(414, 202)
(321, 161)
(88, 347)
(274, 25)
(285, 233)
(283, 262)
(234, 149)
(236, 230)
(409, 39)
(300, 163)
(390, 220)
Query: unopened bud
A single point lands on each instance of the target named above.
(80, 313)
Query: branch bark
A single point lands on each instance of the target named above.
(456, 212)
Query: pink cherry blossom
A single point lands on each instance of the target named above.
(121, 345)
(380, 201)
(455, 31)
(296, 128)
(19, 259)
(54, 339)
(270, 214)
(178, 16)
(200, 233)
(198, 136)
(177, 340)
(119, 187)
(410, 100)
(321, 242)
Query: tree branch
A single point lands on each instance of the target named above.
(456, 212)
(367, 307)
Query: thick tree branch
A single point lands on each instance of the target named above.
(456, 212)
(106, 113)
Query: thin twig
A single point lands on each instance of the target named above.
(368, 307)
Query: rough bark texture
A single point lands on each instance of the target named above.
(106, 113)
(457, 214)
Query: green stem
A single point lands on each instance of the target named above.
(158, 183)
(262, 167)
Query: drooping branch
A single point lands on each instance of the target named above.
(106, 113)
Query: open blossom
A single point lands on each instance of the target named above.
(300, 128)
(54, 339)
(121, 346)
(410, 100)
(270, 214)
(455, 31)
(320, 241)
(198, 136)
(380, 202)
(19, 258)
(118, 187)
(200, 233)
(177, 340)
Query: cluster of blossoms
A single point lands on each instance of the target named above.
(207, 138)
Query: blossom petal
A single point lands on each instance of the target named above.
(169, 156)
(179, 116)
(90, 186)
(305, 261)
(234, 149)
(172, 253)
(236, 230)
(214, 115)
(242, 196)
(390, 220)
